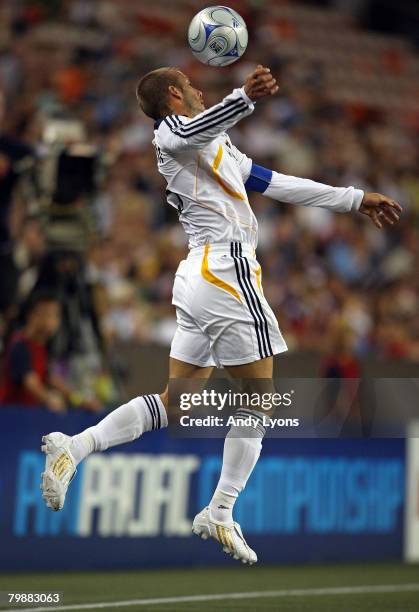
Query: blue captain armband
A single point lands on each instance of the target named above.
(259, 178)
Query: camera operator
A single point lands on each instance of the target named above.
(63, 271)
(67, 176)
(60, 181)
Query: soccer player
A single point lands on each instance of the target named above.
(223, 318)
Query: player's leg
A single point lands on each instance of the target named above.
(182, 369)
(242, 448)
(131, 420)
(124, 424)
(244, 335)
(243, 443)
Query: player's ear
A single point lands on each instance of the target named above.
(175, 92)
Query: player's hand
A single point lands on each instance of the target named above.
(380, 209)
(260, 83)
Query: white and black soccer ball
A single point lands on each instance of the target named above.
(217, 36)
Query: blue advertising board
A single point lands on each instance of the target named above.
(132, 506)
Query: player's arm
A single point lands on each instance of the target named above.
(206, 126)
(305, 192)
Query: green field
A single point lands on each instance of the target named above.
(347, 588)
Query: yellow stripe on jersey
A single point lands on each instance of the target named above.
(227, 189)
(258, 274)
(214, 280)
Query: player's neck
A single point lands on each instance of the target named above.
(180, 109)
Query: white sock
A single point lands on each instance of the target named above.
(242, 448)
(82, 445)
(124, 424)
(221, 506)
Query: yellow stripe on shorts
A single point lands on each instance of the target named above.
(214, 280)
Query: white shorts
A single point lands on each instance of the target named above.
(222, 315)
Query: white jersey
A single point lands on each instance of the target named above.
(206, 176)
(222, 315)
(205, 173)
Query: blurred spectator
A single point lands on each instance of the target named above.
(27, 380)
(340, 399)
(340, 361)
(12, 151)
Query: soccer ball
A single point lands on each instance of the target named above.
(217, 36)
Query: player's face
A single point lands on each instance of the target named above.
(192, 97)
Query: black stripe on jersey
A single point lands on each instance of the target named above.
(258, 302)
(233, 251)
(170, 122)
(151, 409)
(210, 124)
(174, 119)
(215, 112)
(159, 121)
(247, 282)
(188, 130)
(221, 115)
(154, 401)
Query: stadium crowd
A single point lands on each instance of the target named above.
(334, 281)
